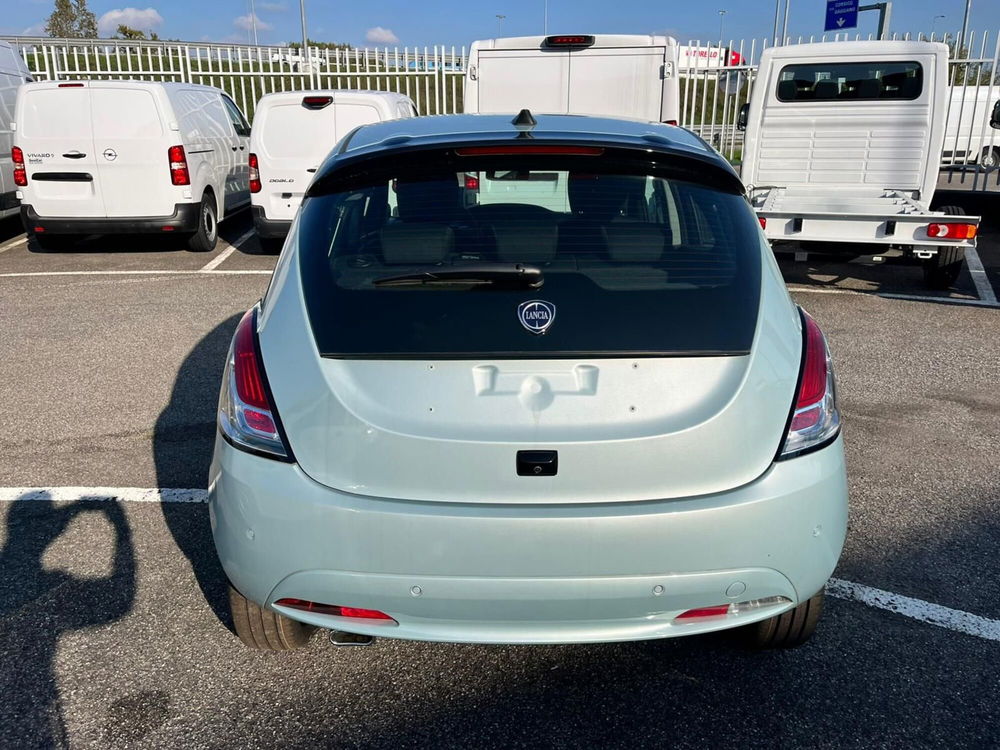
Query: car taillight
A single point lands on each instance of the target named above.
(763, 221)
(254, 174)
(20, 173)
(952, 231)
(178, 166)
(247, 417)
(815, 419)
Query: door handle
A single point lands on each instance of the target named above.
(73, 155)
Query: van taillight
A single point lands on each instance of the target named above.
(178, 166)
(20, 174)
(670, 122)
(316, 102)
(471, 181)
(254, 174)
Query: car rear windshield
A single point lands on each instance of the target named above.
(850, 81)
(446, 257)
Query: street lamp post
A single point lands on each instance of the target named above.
(500, 24)
(545, 19)
(934, 24)
(722, 16)
(253, 22)
(305, 38)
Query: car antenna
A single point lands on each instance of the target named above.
(524, 120)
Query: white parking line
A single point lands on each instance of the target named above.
(915, 609)
(219, 259)
(890, 295)
(13, 243)
(983, 286)
(236, 272)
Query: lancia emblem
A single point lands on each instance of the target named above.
(536, 315)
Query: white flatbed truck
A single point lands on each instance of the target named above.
(843, 142)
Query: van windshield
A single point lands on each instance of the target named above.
(421, 261)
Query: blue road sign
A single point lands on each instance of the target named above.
(841, 14)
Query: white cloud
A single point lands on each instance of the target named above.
(143, 20)
(246, 23)
(273, 7)
(378, 35)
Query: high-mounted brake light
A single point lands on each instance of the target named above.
(71, 85)
(254, 165)
(20, 173)
(316, 102)
(356, 613)
(179, 174)
(569, 40)
(815, 419)
(952, 231)
(519, 150)
(247, 417)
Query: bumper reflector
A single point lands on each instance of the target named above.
(727, 610)
(356, 613)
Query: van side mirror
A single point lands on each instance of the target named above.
(744, 115)
(995, 117)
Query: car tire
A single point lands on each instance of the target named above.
(207, 235)
(54, 243)
(263, 629)
(787, 630)
(941, 271)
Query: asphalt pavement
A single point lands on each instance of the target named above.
(113, 625)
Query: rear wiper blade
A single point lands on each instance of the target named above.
(493, 275)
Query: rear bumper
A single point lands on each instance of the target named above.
(268, 228)
(528, 574)
(183, 219)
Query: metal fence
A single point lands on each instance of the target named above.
(713, 86)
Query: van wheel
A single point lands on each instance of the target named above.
(203, 241)
(941, 271)
(990, 157)
(263, 629)
(54, 243)
(787, 630)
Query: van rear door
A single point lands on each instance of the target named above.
(616, 82)
(55, 133)
(131, 152)
(502, 74)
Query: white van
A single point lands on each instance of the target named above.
(293, 132)
(13, 73)
(970, 136)
(614, 75)
(103, 157)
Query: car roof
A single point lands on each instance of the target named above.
(446, 130)
(454, 131)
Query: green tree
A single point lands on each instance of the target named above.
(62, 21)
(126, 32)
(71, 19)
(86, 22)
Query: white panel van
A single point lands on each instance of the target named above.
(970, 135)
(293, 132)
(104, 157)
(613, 75)
(13, 73)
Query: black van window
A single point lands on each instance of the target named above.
(850, 81)
(423, 263)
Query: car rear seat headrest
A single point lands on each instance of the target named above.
(436, 199)
(416, 244)
(635, 243)
(599, 197)
(526, 241)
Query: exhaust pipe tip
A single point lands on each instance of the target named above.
(340, 638)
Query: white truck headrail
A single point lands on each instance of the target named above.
(883, 217)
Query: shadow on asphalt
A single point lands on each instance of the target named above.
(183, 438)
(39, 605)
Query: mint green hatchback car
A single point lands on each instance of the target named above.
(529, 380)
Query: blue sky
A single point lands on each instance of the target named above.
(431, 22)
